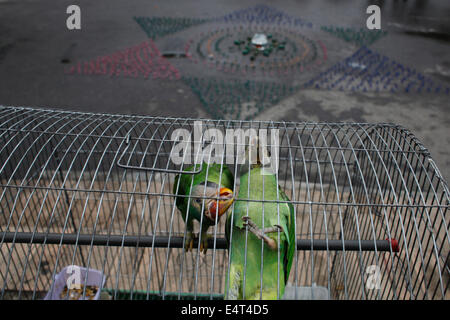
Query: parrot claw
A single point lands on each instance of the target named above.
(275, 228)
(203, 248)
(252, 227)
(189, 245)
(204, 243)
(261, 234)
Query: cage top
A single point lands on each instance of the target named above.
(143, 127)
(7, 112)
(321, 143)
(58, 122)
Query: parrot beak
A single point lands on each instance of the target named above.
(225, 201)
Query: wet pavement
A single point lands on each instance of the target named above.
(39, 56)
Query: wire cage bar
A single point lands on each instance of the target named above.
(95, 190)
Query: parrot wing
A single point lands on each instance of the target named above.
(290, 236)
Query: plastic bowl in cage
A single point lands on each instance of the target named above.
(95, 281)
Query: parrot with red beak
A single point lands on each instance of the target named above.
(205, 197)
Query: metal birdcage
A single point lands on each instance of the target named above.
(95, 191)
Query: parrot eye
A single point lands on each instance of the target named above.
(198, 200)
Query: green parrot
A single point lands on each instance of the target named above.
(252, 242)
(212, 182)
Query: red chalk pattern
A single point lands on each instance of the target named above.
(142, 60)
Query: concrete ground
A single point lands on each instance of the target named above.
(36, 50)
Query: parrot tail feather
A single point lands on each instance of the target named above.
(235, 283)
